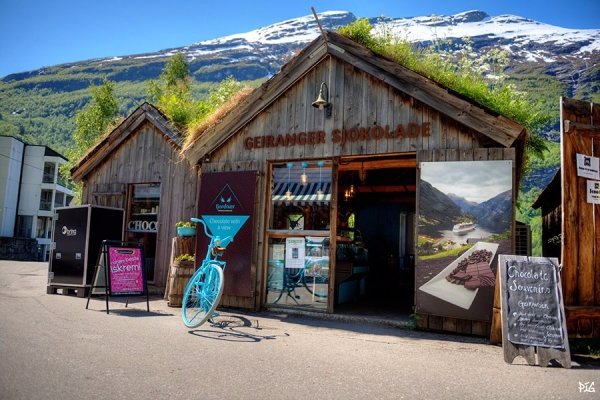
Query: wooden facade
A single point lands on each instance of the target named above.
(143, 149)
(381, 112)
(580, 134)
(549, 202)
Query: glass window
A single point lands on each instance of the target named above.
(49, 169)
(46, 200)
(24, 225)
(299, 235)
(301, 196)
(298, 271)
(44, 224)
(59, 199)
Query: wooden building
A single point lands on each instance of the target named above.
(138, 167)
(336, 182)
(570, 218)
(549, 202)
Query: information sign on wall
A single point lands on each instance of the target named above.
(295, 252)
(593, 192)
(588, 167)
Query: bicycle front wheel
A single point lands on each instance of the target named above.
(202, 295)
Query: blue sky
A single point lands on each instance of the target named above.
(38, 33)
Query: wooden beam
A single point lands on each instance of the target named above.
(378, 164)
(385, 189)
(582, 129)
(577, 312)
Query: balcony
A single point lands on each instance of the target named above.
(46, 205)
(48, 177)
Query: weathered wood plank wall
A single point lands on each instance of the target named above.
(148, 157)
(359, 101)
(580, 133)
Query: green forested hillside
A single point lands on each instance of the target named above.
(44, 113)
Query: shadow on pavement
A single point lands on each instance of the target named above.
(232, 328)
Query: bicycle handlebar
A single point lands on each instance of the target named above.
(226, 239)
(196, 220)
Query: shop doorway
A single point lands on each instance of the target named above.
(142, 221)
(376, 236)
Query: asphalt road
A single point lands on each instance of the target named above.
(51, 347)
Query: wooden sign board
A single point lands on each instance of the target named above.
(533, 316)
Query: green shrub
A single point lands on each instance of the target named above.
(185, 257)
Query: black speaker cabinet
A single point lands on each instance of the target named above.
(77, 237)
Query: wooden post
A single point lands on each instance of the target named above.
(496, 329)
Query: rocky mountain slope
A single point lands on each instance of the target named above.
(436, 210)
(440, 211)
(39, 105)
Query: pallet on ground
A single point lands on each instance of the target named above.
(78, 291)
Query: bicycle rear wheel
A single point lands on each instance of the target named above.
(202, 295)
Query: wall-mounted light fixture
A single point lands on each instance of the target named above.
(320, 194)
(304, 177)
(322, 101)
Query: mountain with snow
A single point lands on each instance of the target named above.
(42, 102)
(261, 52)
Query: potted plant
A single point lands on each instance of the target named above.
(185, 228)
(185, 257)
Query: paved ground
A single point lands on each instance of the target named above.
(52, 348)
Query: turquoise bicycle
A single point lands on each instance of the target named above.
(204, 289)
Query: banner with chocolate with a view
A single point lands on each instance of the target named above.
(226, 204)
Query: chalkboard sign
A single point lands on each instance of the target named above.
(533, 316)
(533, 304)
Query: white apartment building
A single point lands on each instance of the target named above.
(30, 189)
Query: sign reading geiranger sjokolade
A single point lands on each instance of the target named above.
(340, 137)
(533, 316)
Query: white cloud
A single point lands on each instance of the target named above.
(476, 181)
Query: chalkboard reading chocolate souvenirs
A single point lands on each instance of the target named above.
(533, 314)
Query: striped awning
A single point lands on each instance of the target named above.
(302, 194)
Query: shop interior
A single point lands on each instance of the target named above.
(375, 260)
(142, 221)
(374, 229)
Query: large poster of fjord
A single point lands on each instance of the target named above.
(464, 222)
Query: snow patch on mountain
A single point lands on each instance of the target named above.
(523, 37)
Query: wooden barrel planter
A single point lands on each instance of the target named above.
(181, 272)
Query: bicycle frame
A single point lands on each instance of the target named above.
(204, 289)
